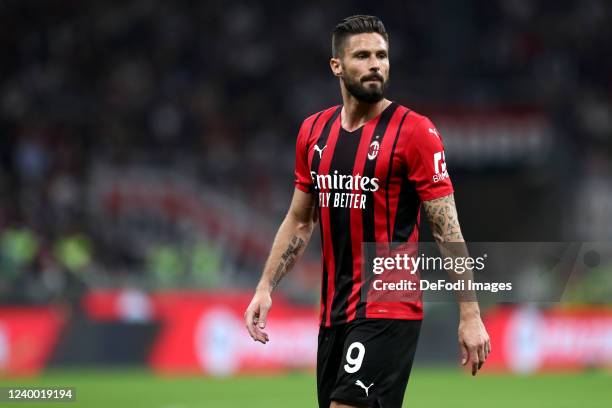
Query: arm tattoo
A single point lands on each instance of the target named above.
(442, 216)
(287, 260)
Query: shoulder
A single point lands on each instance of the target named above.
(414, 121)
(416, 125)
(419, 132)
(310, 120)
(308, 125)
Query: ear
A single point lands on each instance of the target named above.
(336, 67)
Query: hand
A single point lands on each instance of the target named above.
(474, 342)
(256, 314)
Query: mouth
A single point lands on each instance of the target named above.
(372, 80)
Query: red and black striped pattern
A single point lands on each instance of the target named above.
(396, 150)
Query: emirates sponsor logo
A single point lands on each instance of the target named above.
(337, 182)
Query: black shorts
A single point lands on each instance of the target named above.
(366, 362)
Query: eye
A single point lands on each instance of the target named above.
(382, 55)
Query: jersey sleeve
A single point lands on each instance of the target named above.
(426, 162)
(302, 181)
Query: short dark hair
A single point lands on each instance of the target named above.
(355, 25)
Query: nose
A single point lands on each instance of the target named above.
(374, 64)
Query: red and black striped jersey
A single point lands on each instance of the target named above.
(369, 185)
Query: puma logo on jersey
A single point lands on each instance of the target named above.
(362, 385)
(435, 132)
(318, 149)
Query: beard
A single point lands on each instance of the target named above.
(363, 93)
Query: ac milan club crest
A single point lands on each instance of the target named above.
(373, 151)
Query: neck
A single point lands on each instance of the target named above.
(356, 113)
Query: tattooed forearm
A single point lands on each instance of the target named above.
(443, 219)
(287, 260)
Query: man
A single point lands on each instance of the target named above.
(365, 169)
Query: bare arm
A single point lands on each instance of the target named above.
(473, 338)
(288, 246)
(443, 219)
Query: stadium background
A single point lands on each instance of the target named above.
(146, 158)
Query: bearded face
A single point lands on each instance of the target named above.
(363, 67)
(369, 89)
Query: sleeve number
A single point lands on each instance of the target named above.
(353, 364)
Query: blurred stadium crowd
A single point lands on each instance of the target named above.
(213, 92)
